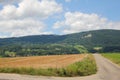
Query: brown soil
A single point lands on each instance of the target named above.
(54, 61)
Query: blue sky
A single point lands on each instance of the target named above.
(105, 8)
(35, 17)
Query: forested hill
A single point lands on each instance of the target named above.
(89, 38)
(35, 39)
(97, 40)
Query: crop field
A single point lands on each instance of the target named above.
(54, 61)
(57, 65)
(114, 57)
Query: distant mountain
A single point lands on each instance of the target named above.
(35, 39)
(88, 39)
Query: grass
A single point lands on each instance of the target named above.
(83, 68)
(114, 57)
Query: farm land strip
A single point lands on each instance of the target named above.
(114, 57)
(58, 65)
(54, 61)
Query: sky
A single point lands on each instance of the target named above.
(37, 17)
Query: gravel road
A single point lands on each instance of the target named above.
(106, 71)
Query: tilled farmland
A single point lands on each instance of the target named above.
(53, 61)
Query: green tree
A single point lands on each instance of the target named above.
(10, 54)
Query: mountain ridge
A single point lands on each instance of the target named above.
(69, 38)
(89, 41)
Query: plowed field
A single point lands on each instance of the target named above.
(54, 61)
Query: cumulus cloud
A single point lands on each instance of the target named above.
(31, 8)
(77, 22)
(27, 17)
(21, 27)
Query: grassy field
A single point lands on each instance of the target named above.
(60, 65)
(114, 57)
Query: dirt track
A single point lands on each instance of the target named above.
(106, 71)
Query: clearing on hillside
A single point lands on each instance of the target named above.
(54, 61)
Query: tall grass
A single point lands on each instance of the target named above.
(114, 57)
(82, 68)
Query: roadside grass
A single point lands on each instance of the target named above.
(114, 57)
(83, 68)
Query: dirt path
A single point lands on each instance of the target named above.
(106, 71)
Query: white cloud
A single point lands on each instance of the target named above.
(27, 18)
(77, 22)
(21, 27)
(31, 8)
